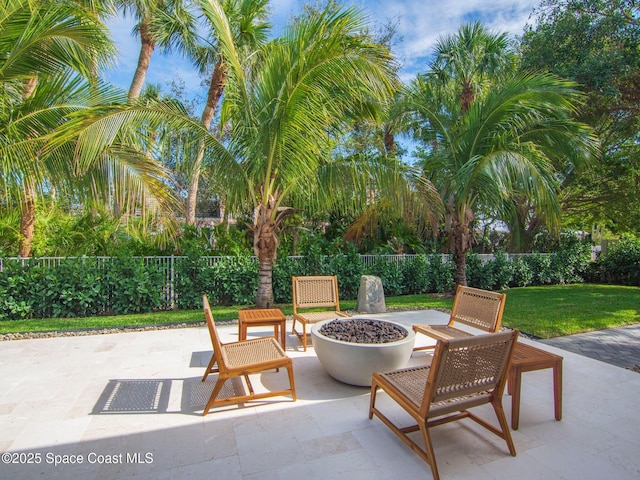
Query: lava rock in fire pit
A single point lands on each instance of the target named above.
(359, 330)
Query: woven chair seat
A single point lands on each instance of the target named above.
(315, 317)
(412, 382)
(251, 352)
(441, 332)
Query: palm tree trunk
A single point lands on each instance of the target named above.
(264, 298)
(389, 141)
(146, 49)
(461, 240)
(460, 261)
(28, 210)
(27, 222)
(216, 87)
(265, 247)
(466, 97)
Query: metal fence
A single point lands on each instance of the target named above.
(167, 264)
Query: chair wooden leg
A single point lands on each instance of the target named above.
(210, 368)
(292, 383)
(304, 336)
(372, 400)
(214, 394)
(428, 449)
(504, 425)
(246, 379)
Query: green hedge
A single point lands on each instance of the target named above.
(127, 285)
(79, 288)
(621, 264)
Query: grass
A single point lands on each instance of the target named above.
(559, 310)
(545, 312)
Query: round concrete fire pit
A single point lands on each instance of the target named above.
(353, 361)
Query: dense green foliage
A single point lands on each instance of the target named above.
(620, 265)
(82, 287)
(596, 44)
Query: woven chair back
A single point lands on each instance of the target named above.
(464, 367)
(315, 292)
(218, 351)
(477, 308)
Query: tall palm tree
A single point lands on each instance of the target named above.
(468, 62)
(43, 43)
(249, 29)
(503, 148)
(319, 74)
(165, 23)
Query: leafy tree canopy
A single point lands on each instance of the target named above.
(597, 44)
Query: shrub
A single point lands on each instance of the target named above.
(521, 274)
(502, 270)
(620, 265)
(133, 286)
(73, 289)
(284, 269)
(540, 266)
(349, 268)
(415, 276)
(441, 274)
(390, 275)
(570, 263)
(235, 280)
(479, 274)
(193, 278)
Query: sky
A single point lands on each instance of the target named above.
(419, 24)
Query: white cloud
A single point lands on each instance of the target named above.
(420, 23)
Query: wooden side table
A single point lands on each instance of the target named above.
(263, 317)
(526, 359)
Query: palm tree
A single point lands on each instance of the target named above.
(503, 148)
(249, 29)
(43, 43)
(165, 23)
(310, 82)
(469, 62)
(54, 137)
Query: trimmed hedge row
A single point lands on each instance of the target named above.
(80, 287)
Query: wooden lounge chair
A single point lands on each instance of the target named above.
(313, 293)
(240, 359)
(475, 308)
(464, 373)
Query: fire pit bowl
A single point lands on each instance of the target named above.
(354, 360)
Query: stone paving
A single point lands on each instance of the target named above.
(617, 346)
(128, 406)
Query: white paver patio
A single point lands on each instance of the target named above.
(129, 405)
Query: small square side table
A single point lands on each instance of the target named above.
(527, 358)
(263, 317)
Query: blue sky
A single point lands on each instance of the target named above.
(419, 24)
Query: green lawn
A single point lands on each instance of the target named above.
(559, 310)
(545, 312)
